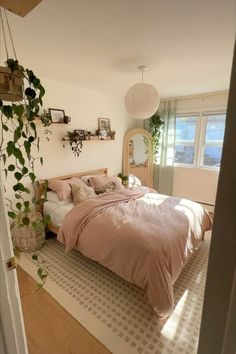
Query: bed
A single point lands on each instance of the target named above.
(145, 238)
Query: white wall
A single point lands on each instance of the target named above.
(84, 107)
(198, 184)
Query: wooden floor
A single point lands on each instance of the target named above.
(49, 328)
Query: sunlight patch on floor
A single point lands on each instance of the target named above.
(170, 327)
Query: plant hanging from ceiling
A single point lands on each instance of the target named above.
(155, 128)
(19, 149)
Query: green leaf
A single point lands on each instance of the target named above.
(26, 221)
(17, 196)
(41, 274)
(34, 200)
(17, 153)
(18, 109)
(35, 257)
(41, 160)
(19, 206)
(18, 176)
(10, 148)
(17, 135)
(31, 139)
(32, 125)
(12, 64)
(4, 158)
(32, 177)
(5, 170)
(7, 111)
(11, 214)
(26, 204)
(25, 170)
(5, 127)
(11, 167)
(47, 219)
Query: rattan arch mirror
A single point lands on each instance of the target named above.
(137, 156)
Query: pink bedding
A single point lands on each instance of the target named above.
(144, 238)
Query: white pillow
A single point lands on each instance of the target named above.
(53, 197)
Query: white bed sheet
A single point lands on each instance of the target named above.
(57, 211)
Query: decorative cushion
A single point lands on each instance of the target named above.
(81, 192)
(100, 182)
(53, 197)
(62, 187)
(109, 187)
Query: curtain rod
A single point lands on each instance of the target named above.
(190, 97)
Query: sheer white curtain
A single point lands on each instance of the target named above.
(164, 165)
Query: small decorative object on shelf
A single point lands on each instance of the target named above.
(57, 115)
(112, 134)
(104, 127)
(67, 120)
(75, 139)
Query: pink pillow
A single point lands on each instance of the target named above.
(98, 182)
(62, 187)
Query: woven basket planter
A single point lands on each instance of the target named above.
(27, 238)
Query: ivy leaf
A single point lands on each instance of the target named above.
(17, 196)
(19, 206)
(17, 135)
(35, 257)
(46, 219)
(11, 168)
(5, 127)
(17, 153)
(25, 170)
(31, 139)
(7, 111)
(18, 176)
(10, 148)
(4, 158)
(26, 221)
(32, 177)
(41, 160)
(11, 214)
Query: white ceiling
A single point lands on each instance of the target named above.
(186, 44)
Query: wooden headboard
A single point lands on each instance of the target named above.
(42, 185)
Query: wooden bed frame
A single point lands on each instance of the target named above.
(42, 185)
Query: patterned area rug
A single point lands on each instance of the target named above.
(116, 312)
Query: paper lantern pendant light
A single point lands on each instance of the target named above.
(142, 100)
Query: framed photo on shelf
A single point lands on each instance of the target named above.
(80, 134)
(104, 124)
(57, 115)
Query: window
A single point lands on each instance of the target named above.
(185, 139)
(214, 135)
(199, 139)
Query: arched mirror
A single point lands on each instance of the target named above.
(137, 156)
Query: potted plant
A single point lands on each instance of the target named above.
(19, 147)
(75, 139)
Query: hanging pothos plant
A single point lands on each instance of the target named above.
(75, 141)
(155, 127)
(19, 148)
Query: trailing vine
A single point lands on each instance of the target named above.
(19, 149)
(155, 128)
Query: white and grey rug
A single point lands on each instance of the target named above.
(116, 312)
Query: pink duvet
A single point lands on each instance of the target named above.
(145, 239)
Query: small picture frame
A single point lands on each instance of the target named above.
(57, 115)
(80, 134)
(104, 124)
